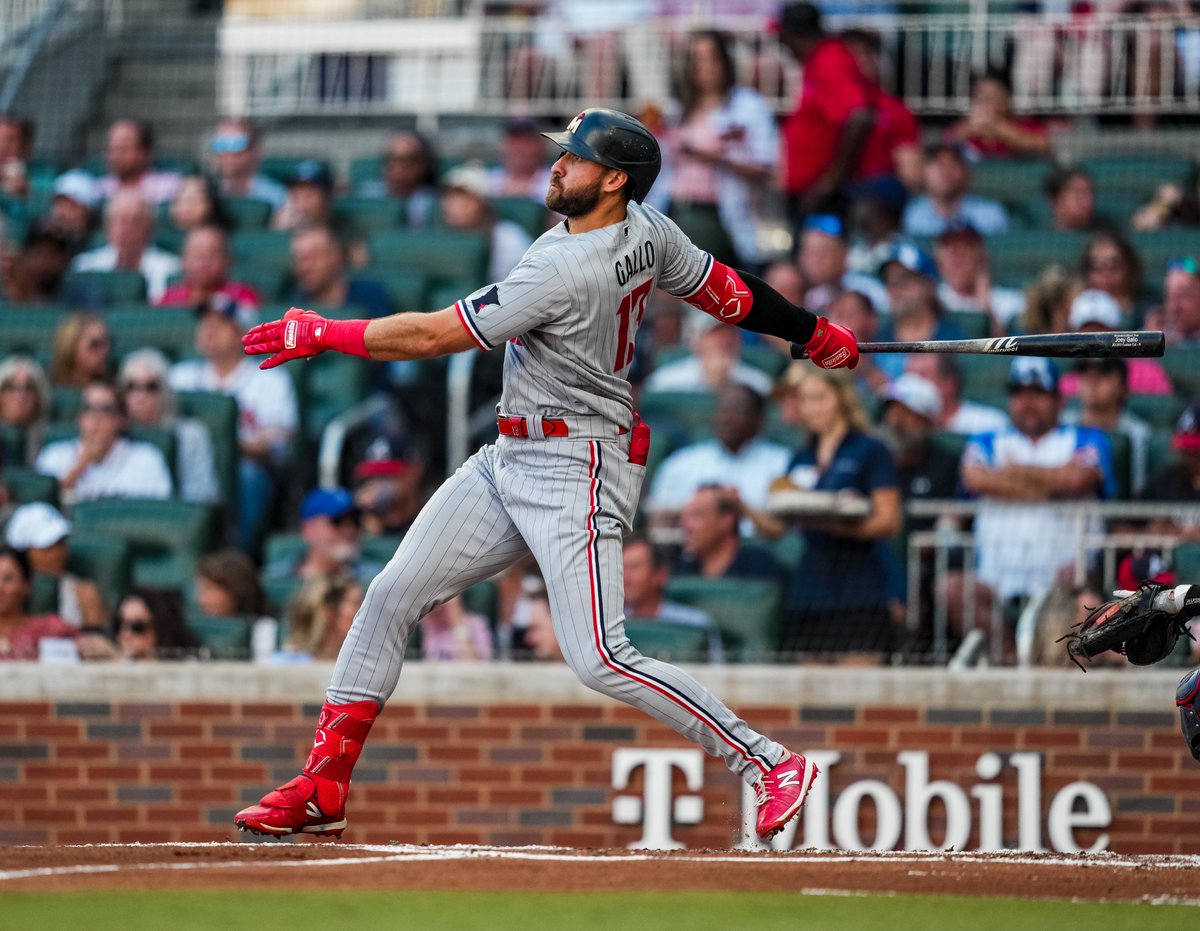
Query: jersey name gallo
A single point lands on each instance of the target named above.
(633, 263)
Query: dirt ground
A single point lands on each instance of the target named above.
(1100, 877)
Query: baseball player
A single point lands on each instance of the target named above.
(563, 479)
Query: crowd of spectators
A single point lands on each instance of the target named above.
(889, 235)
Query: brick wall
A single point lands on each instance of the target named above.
(512, 755)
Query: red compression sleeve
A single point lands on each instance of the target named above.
(348, 336)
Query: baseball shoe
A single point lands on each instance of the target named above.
(306, 805)
(781, 793)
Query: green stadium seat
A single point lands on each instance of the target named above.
(103, 560)
(282, 547)
(25, 484)
(1011, 181)
(168, 238)
(261, 247)
(1182, 364)
(1158, 410)
(14, 444)
(221, 638)
(117, 286)
(1122, 460)
(171, 330)
(248, 213)
(1158, 247)
(973, 324)
(691, 410)
(380, 549)
(369, 168)
(279, 592)
(1186, 561)
(218, 412)
(667, 641)
(1138, 173)
(331, 384)
(166, 538)
(766, 359)
(361, 216)
(746, 611)
(1020, 255)
(43, 595)
(444, 255)
(529, 214)
(407, 288)
(65, 404)
(282, 167)
(179, 162)
(29, 329)
(482, 598)
(272, 282)
(983, 376)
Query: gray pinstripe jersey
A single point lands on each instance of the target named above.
(571, 309)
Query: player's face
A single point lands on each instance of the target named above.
(575, 186)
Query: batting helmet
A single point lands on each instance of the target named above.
(615, 140)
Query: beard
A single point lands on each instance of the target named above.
(575, 204)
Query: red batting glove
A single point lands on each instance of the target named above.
(303, 334)
(832, 346)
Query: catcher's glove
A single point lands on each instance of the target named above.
(1144, 625)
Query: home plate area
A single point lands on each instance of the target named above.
(1093, 877)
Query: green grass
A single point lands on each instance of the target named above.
(633, 911)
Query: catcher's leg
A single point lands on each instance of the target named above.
(463, 535)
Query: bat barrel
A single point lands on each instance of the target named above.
(1125, 344)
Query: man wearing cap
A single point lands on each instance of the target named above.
(822, 261)
(309, 200)
(387, 489)
(128, 231)
(910, 278)
(467, 205)
(71, 208)
(524, 169)
(41, 532)
(947, 199)
(1019, 475)
(1096, 311)
(911, 410)
(966, 285)
(1103, 389)
(36, 273)
(130, 158)
(267, 409)
(330, 528)
(236, 154)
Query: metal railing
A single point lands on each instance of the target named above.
(481, 62)
(1093, 541)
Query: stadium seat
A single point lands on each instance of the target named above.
(165, 537)
(1159, 453)
(983, 376)
(1158, 247)
(691, 410)
(1020, 256)
(248, 213)
(262, 247)
(444, 255)
(103, 560)
(221, 638)
(1186, 562)
(973, 324)
(1122, 460)
(64, 404)
(407, 288)
(279, 592)
(1158, 410)
(380, 549)
(116, 287)
(331, 384)
(1138, 174)
(1012, 181)
(361, 216)
(29, 328)
(483, 598)
(218, 412)
(766, 359)
(664, 640)
(282, 546)
(369, 168)
(272, 282)
(282, 167)
(171, 330)
(1183, 366)
(25, 484)
(745, 610)
(529, 214)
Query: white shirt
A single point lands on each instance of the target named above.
(972, 418)
(265, 399)
(156, 267)
(131, 469)
(750, 470)
(687, 374)
(1006, 303)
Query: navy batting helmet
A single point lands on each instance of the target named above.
(615, 140)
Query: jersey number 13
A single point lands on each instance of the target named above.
(633, 306)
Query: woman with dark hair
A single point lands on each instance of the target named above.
(227, 585)
(21, 633)
(1109, 263)
(148, 625)
(197, 203)
(720, 154)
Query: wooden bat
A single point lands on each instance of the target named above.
(1126, 344)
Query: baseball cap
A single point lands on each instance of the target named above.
(959, 231)
(917, 393)
(957, 149)
(1187, 431)
(312, 171)
(220, 303)
(385, 456)
(522, 126)
(36, 525)
(1105, 365)
(79, 186)
(471, 177)
(1033, 372)
(326, 502)
(827, 223)
(909, 256)
(1094, 306)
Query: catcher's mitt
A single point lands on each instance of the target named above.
(1133, 625)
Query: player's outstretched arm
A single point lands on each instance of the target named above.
(303, 334)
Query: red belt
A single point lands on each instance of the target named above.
(518, 427)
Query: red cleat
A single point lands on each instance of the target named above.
(306, 805)
(781, 793)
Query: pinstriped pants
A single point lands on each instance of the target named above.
(567, 501)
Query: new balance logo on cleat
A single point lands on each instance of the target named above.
(781, 793)
(788, 778)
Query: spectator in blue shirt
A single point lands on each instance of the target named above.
(946, 200)
(319, 267)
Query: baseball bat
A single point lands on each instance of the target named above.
(1126, 344)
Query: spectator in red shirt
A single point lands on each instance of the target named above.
(825, 137)
(206, 262)
(991, 130)
(20, 633)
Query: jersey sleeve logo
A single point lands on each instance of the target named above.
(490, 298)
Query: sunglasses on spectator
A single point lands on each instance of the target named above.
(406, 159)
(109, 409)
(136, 627)
(1105, 265)
(231, 142)
(100, 342)
(1183, 263)
(27, 386)
(152, 387)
